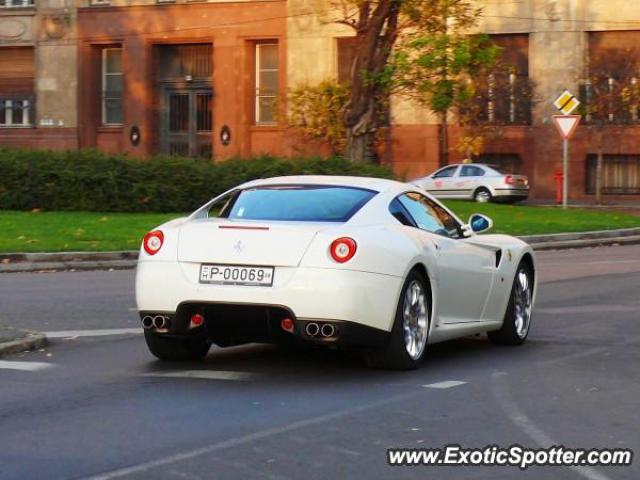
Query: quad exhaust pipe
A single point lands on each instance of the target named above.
(326, 330)
(312, 329)
(159, 322)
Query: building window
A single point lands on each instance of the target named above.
(346, 47)
(620, 175)
(112, 86)
(17, 93)
(188, 62)
(504, 96)
(507, 162)
(611, 89)
(267, 63)
(16, 112)
(17, 3)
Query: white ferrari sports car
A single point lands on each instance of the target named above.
(367, 263)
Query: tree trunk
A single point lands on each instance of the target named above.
(361, 137)
(376, 32)
(443, 133)
(360, 148)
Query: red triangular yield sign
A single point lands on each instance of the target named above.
(566, 124)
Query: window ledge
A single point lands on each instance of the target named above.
(266, 127)
(17, 11)
(110, 128)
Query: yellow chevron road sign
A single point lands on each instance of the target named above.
(566, 102)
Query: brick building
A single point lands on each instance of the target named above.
(198, 78)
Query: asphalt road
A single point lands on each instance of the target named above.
(101, 405)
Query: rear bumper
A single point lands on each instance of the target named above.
(262, 326)
(309, 294)
(511, 193)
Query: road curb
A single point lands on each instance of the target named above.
(87, 264)
(572, 236)
(30, 341)
(556, 241)
(43, 262)
(66, 257)
(126, 259)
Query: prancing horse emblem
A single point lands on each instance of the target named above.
(238, 247)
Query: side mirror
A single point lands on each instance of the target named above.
(480, 223)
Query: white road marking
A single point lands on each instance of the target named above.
(204, 374)
(93, 333)
(343, 450)
(233, 442)
(26, 366)
(516, 415)
(445, 384)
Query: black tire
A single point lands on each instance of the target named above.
(176, 349)
(482, 195)
(509, 332)
(394, 354)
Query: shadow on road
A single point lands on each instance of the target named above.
(319, 365)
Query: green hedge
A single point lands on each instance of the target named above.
(94, 181)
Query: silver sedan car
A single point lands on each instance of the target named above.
(475, 181)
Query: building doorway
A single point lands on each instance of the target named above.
(186, 100)
(186, 129)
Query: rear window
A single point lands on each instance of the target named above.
(499, 170)
(299, 203)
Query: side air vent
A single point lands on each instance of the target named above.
(498, 258)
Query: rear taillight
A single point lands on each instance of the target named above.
(196, 320)
(509, 180)
(152, 242)
(343, 249)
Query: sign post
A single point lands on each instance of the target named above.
(565, 172)
(566, 125)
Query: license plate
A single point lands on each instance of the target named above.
(236, 275)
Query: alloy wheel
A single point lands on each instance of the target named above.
(415, 319)
(522, 303)
(483, 196)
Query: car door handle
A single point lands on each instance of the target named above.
(436, 244)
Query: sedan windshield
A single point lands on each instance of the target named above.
(299, 203)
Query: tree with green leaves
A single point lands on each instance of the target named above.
(501, 97)
(421, 48)
(376, 26)
(439, 64)
(314, 112)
